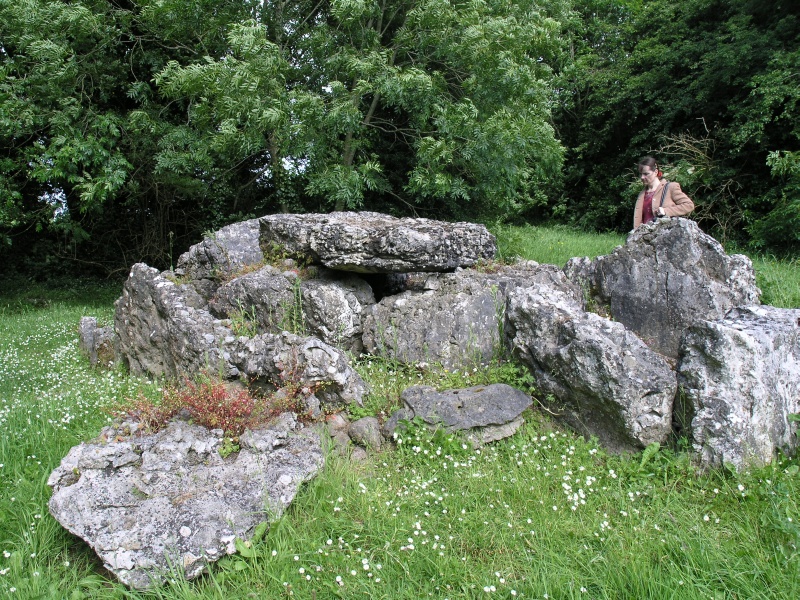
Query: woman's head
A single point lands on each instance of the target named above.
(649, 172)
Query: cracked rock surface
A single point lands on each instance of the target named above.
(668, 276)
(167, 504)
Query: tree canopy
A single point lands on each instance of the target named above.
(130, 127)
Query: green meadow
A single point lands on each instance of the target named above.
(544, 514)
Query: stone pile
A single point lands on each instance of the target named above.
(663, 334)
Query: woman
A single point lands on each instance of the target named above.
(649, 205)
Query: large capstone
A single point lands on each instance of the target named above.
(366, 242)
(668, 276)
(605, 381)
(165, 505)
(740, 378)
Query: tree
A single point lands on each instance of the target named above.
(333, 97)
(707, 85)
(130, 127)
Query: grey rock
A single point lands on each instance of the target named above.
(329, 306)
(337, 422)
(481, 436)
(454, 319)
(366, 432)
(358, 454)
(299, 362)
(667, 276)
(740, 378)
(265, 297)
(366, 242)
(484, 413)
(158, 506)
(605, 381)
(98, 344)
(224, 253)
(161, 335)
(333, 310)
(342, 443)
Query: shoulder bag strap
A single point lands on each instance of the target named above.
(664, 195)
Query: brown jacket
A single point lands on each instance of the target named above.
(676, 203)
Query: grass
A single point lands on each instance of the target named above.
(553, 245)
(543, 514)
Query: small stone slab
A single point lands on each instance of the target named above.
(494, 408)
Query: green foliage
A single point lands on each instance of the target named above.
(244, 321)
(708, 88)
(419, 441)
(131, 128)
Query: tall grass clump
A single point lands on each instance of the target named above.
(779, 280)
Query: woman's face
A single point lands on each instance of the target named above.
(648, 176)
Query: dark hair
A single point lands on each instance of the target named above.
(649, 161)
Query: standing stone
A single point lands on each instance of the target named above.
(668, 276)
(161, 335)
(97, 343)
(604, 380)
(740, 378)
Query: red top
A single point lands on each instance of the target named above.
(647, 207)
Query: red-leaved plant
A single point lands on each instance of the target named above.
(209, 401)
(214, 405)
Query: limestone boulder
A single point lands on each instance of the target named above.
(668, 276)
(484, 413)
(263, 297)
(166, 505)
(740, 378)
(224, 253)
(366, 432)
(366, 242)
(98, 344)
(604, 380)
(329, 305)
(334, 310)
(160, 334)
(307, 364)
(454, 319)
